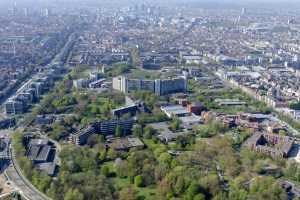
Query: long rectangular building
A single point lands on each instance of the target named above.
(103, 128)
(158, 86)
(109, 127)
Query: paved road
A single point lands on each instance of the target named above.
(26, 189)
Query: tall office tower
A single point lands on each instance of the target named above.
(45, 12)
(13, 11)
(25, 12)
(243, 11)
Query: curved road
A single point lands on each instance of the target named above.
(26, 189)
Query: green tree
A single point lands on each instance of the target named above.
(193, 190)
(128, 194)
(138, 181)
(105, 171)
(199, 197)
(282, 133)
(149, 132)
(121, 168)
(266, 188)
(73, 195)
(118, 132)
(137, 131)
(175, 124)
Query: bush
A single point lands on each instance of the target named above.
(105, 171)
(138, 181)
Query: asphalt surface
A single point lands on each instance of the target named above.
(26, 189)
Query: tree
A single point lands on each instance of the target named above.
(295, 106)
(73, 195)
(102, 155)
(149, 132)
(221, 196)
(138, 181)
(138, 163)
(93, 140)
(193, 190)
(118, 132)
(105, 170)
(292, 171)
(266, 188)
(282, 133)
(121, 167)
(179, 186)
(128, 194)
(182, 141)
(137, 131)
(199, 197)
(175, 125)
(165, 159)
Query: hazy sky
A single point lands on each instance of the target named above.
(271, 3)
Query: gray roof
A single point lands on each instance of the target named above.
(48, 167)
(39, 153)
(38, 142)
(4, 148)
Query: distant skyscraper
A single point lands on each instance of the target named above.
(13, 10)
(45, 12)
(243, 11)
(25, 12)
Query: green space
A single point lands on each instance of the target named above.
(211, 164)
(202, 93)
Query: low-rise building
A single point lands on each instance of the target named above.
(125, 144)
(271, 144)
(175, 111)
(13, 107)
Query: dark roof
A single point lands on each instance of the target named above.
(39, 153)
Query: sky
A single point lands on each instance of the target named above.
(272, 3)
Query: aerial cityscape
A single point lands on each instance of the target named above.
(149, 100)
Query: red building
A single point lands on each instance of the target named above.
(195, 108)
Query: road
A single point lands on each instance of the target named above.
(26, 189)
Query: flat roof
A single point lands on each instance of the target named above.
(135, 142)
(174, 109)
(190, 119)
